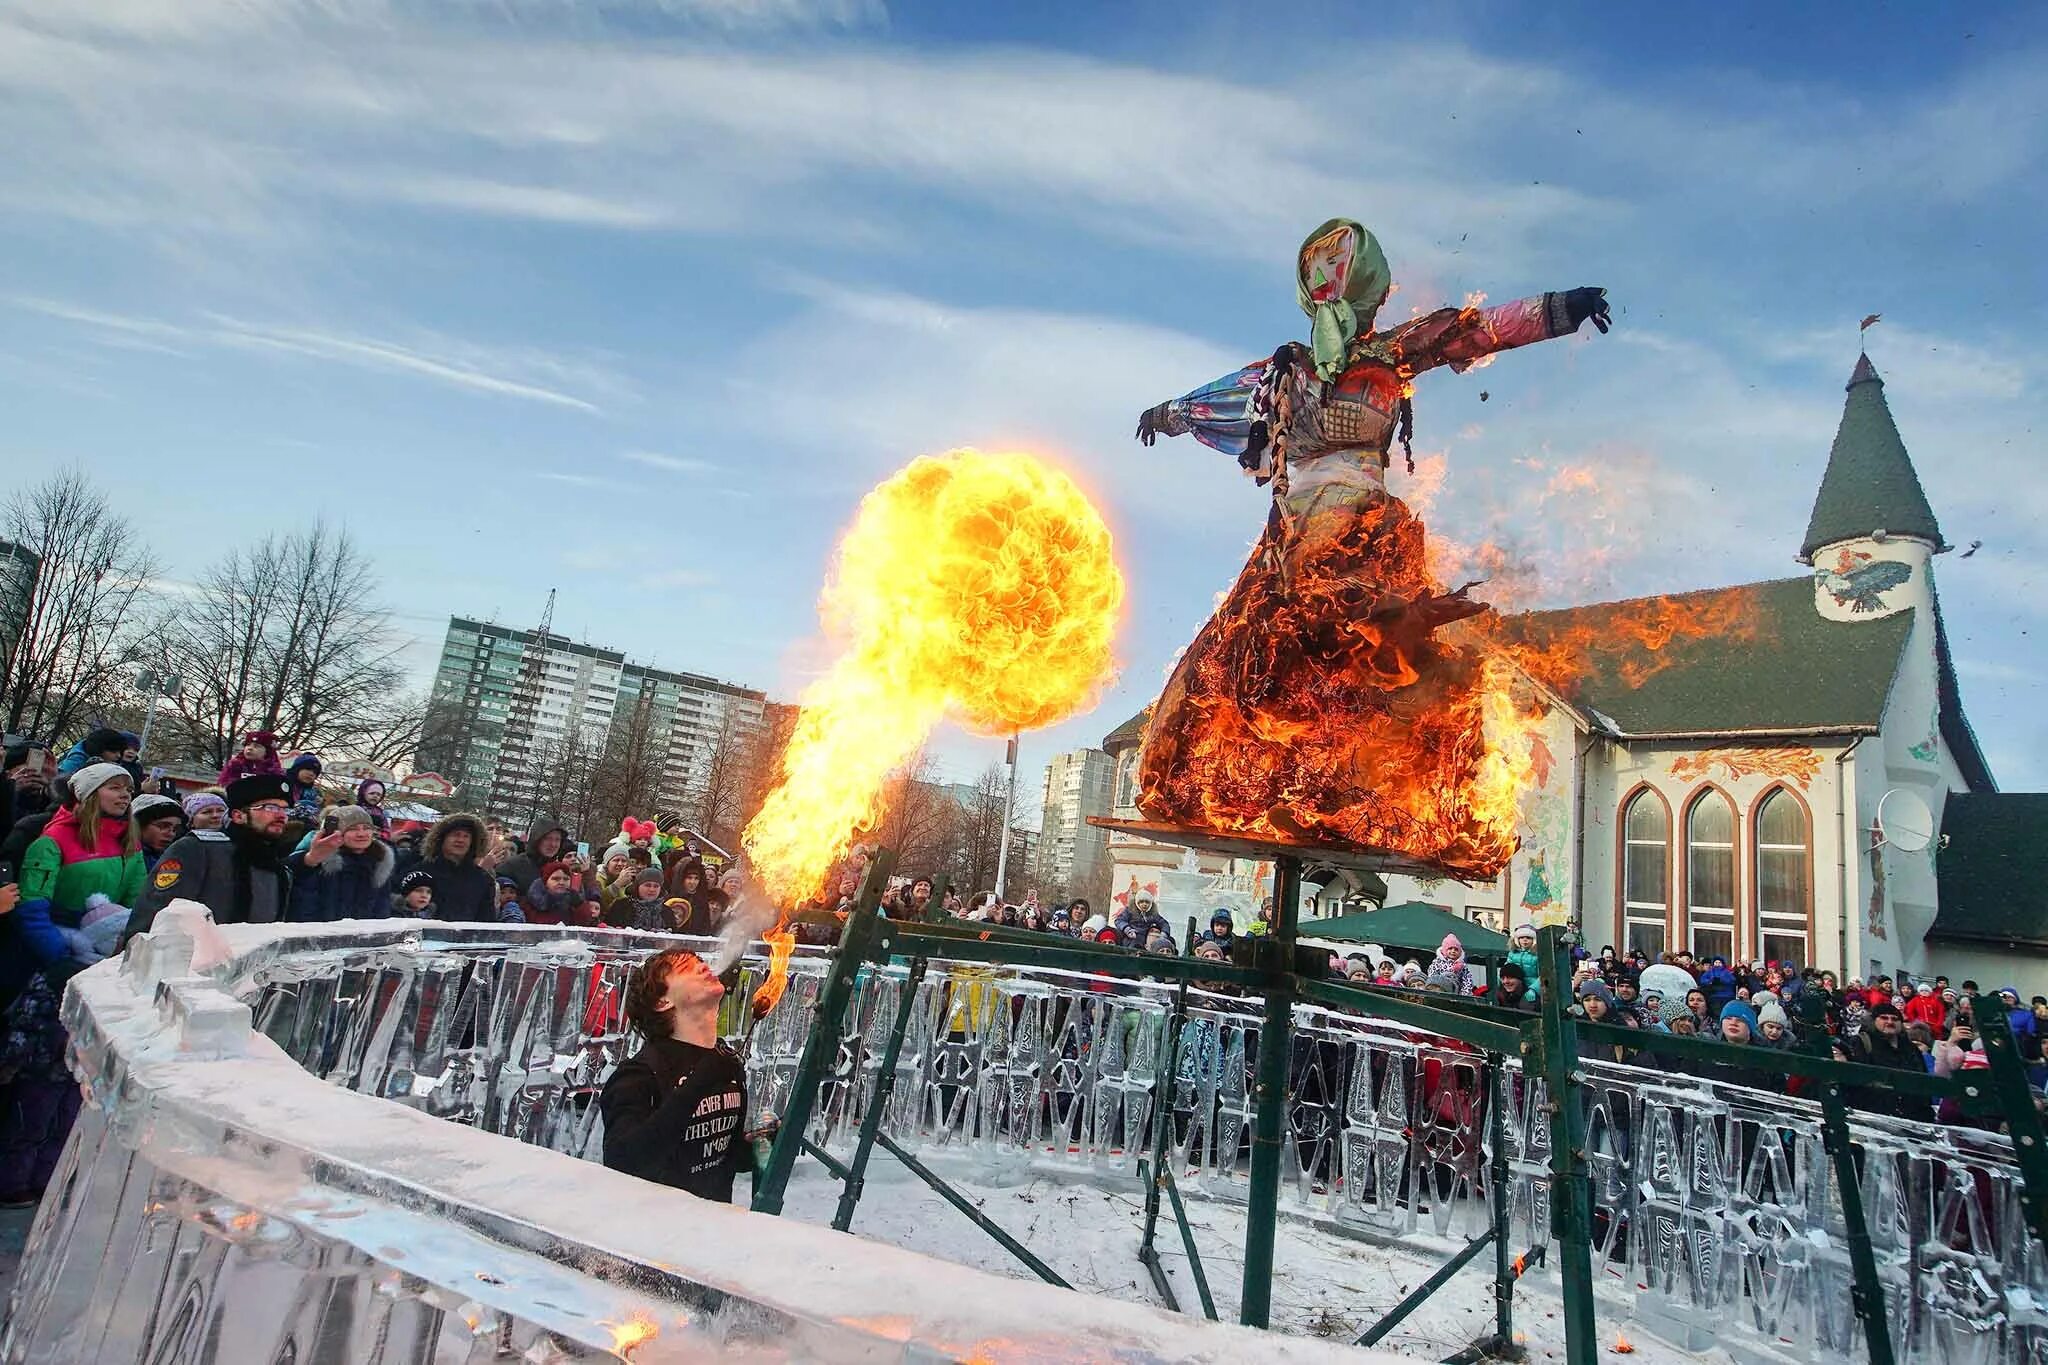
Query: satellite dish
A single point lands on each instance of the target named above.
(1903, 821)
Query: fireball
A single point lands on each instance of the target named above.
(974, 585)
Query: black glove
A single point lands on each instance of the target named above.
(1587, 301)
(1152, 422)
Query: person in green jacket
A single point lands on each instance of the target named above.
(90, 849)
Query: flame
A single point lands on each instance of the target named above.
(630, 1335)
(1342, 694)
(976, 584)
(1623, 1346)
(781, 943)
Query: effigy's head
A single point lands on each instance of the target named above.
(1340, 280)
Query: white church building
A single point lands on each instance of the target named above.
(1804, 787)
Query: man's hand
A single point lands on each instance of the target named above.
(322, 848)
(1152, 423)
(1587, 301)
(10, 896)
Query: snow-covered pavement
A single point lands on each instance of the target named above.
(1326, 1284)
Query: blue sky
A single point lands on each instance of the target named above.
(634, 299)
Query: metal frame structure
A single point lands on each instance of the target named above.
(1547, 1044)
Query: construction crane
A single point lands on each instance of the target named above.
(516, 786)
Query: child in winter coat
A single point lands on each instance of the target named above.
(1450, 964)
(555, 898)
(256, 758)
(304, 776)
(370, 799)
(511, 904)
(1522, 952)
(415, 896)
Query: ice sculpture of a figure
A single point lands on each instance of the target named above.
(1318, 702)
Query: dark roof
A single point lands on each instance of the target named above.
(1870, 484)
(1129, 733)
(1791, 671)
(1416, 925)
(1991, 872)
(1955, 726)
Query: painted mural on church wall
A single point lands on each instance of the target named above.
(1541, 875)
(1798, 764)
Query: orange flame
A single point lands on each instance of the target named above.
(976, 584)
(630, 1335)
(1623, 1346)
(781, 943)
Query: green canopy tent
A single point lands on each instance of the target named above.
(1414, 926)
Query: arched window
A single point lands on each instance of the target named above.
(1784, 879)
(1710, 875)
(1646, 873)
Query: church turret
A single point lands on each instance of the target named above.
(1872, 532)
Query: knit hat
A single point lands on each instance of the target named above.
(1739, 1009)
(1773, 1013)
(1450, 942)
(199, 801)
(1886, 1008)
(414, 880)
(1411, 975)
(303, 761)
(1521, 929)
(1222, 916)
(101, 740)
(1598, 989)
(1513, 969)
(153, 807)
(350, 817)
(644, 876)
(621, 849)
(1924, 988)
(93, 776)
(1442, 981)
(245, 792)
(549, 869)
(267, 738)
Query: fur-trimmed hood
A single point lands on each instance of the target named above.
(430, 846)
(379, 853)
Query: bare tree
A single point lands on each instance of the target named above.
(627, 777)
(78, 631)
(288, 636)
(981, 829)
(920, 821)
(730, 775)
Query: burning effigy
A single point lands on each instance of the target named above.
(1325, 701)
(980, 586)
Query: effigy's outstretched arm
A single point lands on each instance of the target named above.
(1218, 414)
(1458, 337)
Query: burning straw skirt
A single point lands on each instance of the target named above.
(1318, 703)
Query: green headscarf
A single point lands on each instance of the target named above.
(1334, 322)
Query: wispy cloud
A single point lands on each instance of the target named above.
(673, 464)
(578, 480)
(359, 352)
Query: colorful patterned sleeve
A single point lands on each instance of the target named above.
(1219, 413)
(1458, 337)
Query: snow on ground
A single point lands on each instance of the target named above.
(1325, 1283)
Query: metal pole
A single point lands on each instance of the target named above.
(974, 1215)
(1422, 1291)
(1571, 1218)
(1009, 812)
(1187, 1242)
(1866, 1292)
(1275, 955)
(148, 719)
(2016, 1103)
(885, 1086)
(821, 1046)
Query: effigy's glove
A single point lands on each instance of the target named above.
(1587, 301)
(1154, 421)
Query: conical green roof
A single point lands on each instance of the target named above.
(1870, 484)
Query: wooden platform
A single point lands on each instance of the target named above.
(1356, 857)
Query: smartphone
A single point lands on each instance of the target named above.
(36, 759)
(583, 848)
(330, 823)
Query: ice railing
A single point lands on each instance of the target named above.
(1715, 1208)
(216, 1203)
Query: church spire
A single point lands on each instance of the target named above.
(1870, 485)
